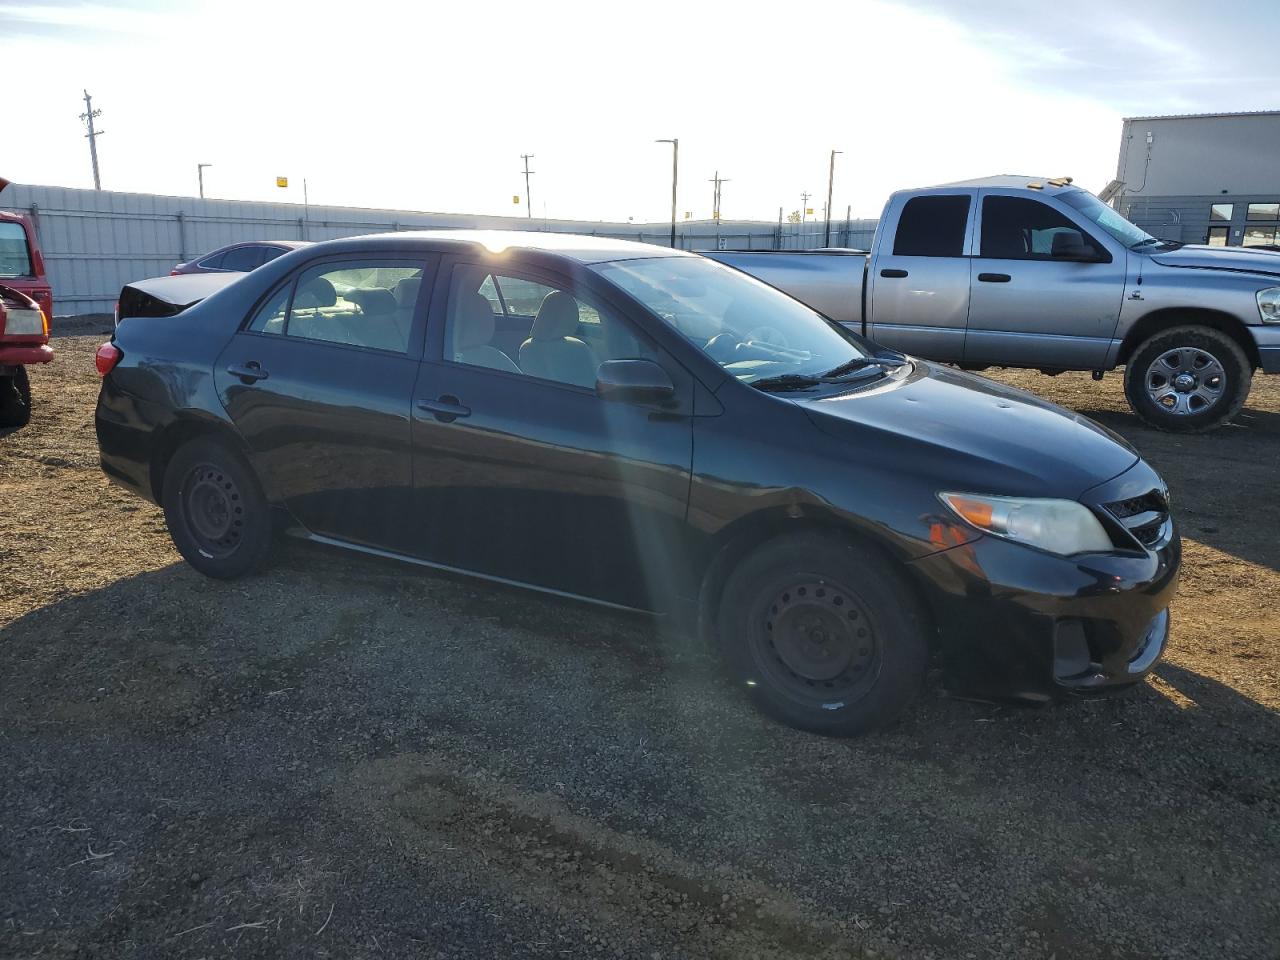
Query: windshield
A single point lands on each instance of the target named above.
(15, 261)
(752, 330)
(1105, 217)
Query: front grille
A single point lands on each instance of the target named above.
(1146, 516)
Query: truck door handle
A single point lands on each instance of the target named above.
(446, 408)
(893, 274)
(994, 277)
(250, 372)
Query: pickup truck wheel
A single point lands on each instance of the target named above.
(1187, 379)
(823, 633)
(15, 399)
(217, 515)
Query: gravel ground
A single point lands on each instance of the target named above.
(345, 757)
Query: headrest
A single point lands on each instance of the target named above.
(316, 292)
(372, 299)
(557, 317)
(474, 322)
(407, 292)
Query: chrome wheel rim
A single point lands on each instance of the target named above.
(1186, 381)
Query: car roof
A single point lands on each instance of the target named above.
(1009, 180)
(577, 247)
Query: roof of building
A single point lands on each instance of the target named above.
(1207, 116)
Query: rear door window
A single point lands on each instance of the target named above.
(242, 259)
(213, 262)
(932, 226)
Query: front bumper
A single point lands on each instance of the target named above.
(1267, 337)
(1017, 622)
(24, 354)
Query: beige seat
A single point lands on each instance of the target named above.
(473, 326)
(552, 351)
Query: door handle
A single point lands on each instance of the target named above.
(250, 372)
(994, 277)
(893, 274)
(446, 408)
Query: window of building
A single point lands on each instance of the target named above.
(1258, 236)
(932, 227)
(1218, 236)
(1221, 211)
(1264, 211)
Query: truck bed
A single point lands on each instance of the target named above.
(828, 280)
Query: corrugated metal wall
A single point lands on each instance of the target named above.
(96, 241)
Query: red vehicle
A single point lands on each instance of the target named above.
(26, 305)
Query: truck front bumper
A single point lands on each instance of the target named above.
(1268, 340)
(21, 355)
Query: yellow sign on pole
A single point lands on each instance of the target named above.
(515, 198)
(808, 211)
(282, 181)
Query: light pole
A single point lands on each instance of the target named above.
(200, 174)
(831, 178)
(675, 176)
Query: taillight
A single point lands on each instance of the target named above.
(175, 273)
(106, 358)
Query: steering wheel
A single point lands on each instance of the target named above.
(769, 335)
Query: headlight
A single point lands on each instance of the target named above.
(1269, 304)
(1058, 526)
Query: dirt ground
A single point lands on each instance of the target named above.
(344, 757)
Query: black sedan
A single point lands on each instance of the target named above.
(648, 429)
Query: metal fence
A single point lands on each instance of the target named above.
(96, 241)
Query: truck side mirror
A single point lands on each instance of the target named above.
(1070, 245)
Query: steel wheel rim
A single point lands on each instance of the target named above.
(814, 642)
(213, 510)
(1186, 381)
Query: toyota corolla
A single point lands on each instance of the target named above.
(647, 429)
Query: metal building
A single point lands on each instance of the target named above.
(1202, 178)
(95, 241)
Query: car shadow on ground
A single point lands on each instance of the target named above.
(281, 695)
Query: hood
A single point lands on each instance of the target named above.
(973, 435)
(1237, 259)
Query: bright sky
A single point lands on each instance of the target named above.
(428, 106)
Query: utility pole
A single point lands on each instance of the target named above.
(528, 203)
(675, 177)
(200, 173)
(715, 202)
(831, 178)
(804, 205)
(88, 117)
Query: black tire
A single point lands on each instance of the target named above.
(15, 399)
(824, 634)
(217, 515)
(1204, 355)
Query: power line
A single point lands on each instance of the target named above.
(88, 118)
(528, 203)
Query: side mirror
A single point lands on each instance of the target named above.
(1070, 245)
(634, 381)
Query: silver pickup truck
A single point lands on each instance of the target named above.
(1019, 272)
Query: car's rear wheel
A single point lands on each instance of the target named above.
(15, 399)
(1187, 379)
(217, 515)
(824, 634)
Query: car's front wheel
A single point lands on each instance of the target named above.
(823, 633)
(1187, 379)
(216, 512)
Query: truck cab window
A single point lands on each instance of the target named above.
(932, 227)
(1014, 228)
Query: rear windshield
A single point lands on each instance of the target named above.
(15, 258)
